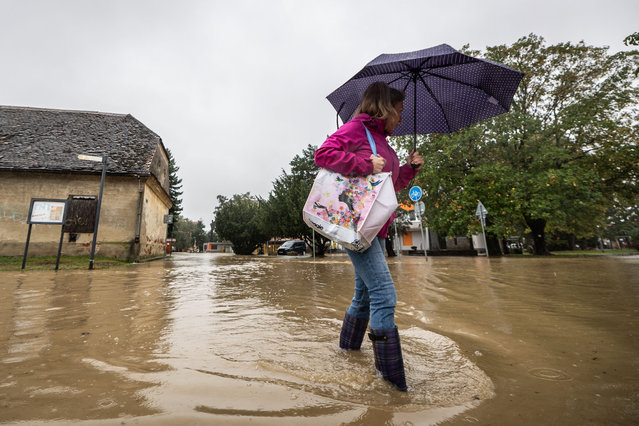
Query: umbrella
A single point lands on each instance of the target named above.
(445, 90)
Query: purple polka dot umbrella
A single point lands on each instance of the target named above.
(445, 89)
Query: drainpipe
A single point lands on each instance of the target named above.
(139, 221)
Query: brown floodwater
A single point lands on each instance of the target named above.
(224, 339)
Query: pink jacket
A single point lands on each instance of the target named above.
(348, 152)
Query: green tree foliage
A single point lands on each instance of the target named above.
(238, 220)
(283, 209)
(188, 234)
(175, 186)
(212, 236)
(200, 235)
(624, 222)
(632, 40)
(565, 152)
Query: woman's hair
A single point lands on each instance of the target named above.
(378, 100)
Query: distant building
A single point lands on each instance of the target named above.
(411, 238)
(217, 247)
(39, 159)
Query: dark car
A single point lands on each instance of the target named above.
(292, 247)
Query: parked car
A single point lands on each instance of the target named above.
(292, 247)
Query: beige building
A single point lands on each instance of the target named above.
(39, 151)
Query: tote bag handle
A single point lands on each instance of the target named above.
(371, 141)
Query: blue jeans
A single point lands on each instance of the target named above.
(375, 295)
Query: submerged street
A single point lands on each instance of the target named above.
(225, 339)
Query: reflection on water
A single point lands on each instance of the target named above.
(65, 339)
(231, 339)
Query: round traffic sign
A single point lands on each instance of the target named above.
(415, 193)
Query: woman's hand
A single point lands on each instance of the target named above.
(378, 163)
(415, 160)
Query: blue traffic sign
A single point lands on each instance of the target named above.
(415, 193)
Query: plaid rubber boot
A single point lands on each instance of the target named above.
(388, 356)
(353, 330)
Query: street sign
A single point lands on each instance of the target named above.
(415, 193)
(481, 210)
(420, 208)
(89, 157)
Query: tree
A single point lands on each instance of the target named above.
(283, 209)
(175, 186)
(199, 235)
(212, 235)
(565, 152)
(238, 220)
(632, 40)
(188, 234)
(624, 222)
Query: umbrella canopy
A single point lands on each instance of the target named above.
(445, 89)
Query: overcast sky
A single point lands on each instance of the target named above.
(236, 88)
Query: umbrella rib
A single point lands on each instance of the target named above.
(452, 80)
(427, 72)
(409, 72)
(405, 85)
(435, 99)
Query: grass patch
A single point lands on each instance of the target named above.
(14, 263)
(583, 253)
(605, 252)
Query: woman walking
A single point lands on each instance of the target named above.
(347, 151)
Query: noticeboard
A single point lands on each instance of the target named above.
(47, 211)
(81, 211)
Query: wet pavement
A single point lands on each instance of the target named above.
(224, 339)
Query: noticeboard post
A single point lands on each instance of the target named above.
(45, 211)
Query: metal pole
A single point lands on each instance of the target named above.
(483, 230)
(414, 113)
(97, 214)
(166, 232)
(399, 243)
(57, 261)
(26, 246)
(421, 228)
